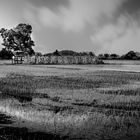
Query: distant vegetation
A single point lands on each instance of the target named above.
(131, 55)
(69, 53)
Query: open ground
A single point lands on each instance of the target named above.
(69, 102)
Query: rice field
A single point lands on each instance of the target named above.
(76, 102)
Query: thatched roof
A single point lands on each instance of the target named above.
(19, 53)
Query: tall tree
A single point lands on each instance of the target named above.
(18, 38)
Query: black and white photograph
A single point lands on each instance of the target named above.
(69, 69)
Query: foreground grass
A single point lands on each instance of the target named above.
(110, 100)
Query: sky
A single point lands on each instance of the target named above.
(100, 26)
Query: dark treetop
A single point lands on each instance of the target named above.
(18, 38)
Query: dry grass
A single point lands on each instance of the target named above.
(107, 102)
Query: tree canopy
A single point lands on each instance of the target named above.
(4, 54)
(18, 38)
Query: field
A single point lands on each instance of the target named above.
(68, 102)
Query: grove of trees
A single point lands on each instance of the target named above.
(18, 38)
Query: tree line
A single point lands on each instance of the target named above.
(131, 55)
(69, 53)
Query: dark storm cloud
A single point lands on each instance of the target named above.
(131, 6)
(64, 23)
(122, 32)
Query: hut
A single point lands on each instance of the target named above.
(18, 57)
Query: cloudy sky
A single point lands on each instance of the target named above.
(102, 26)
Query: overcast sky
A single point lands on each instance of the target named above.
(101, 26)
